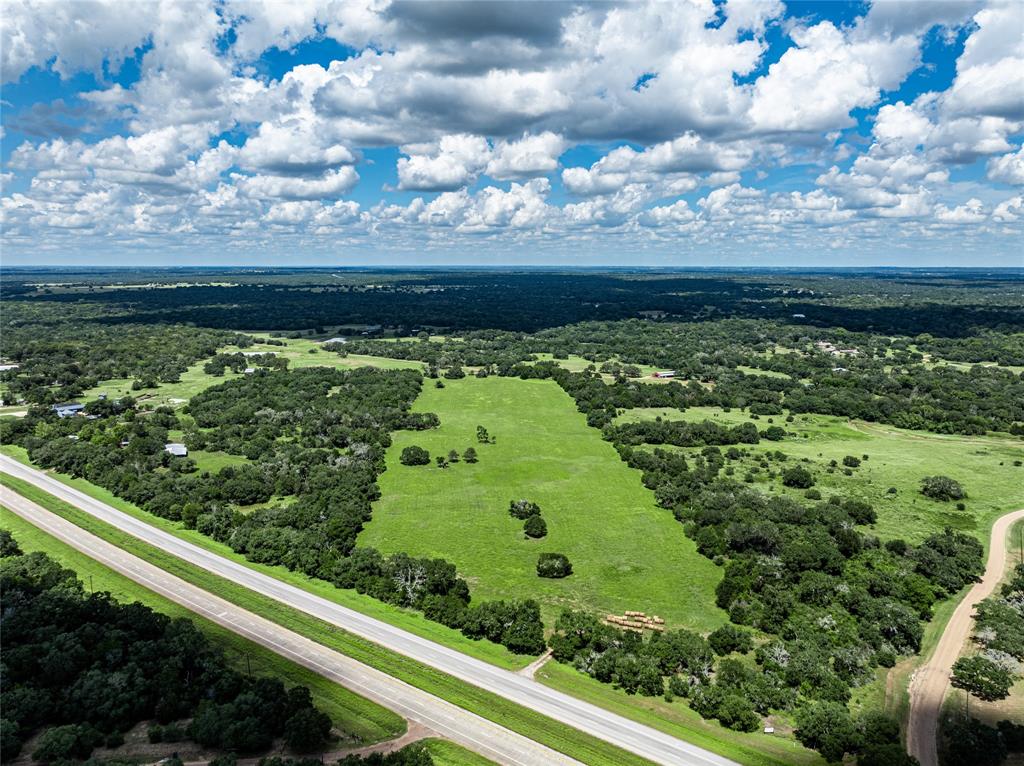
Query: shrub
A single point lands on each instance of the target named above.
(797, 476)
(61, 743)
(851, 462)
(523, 509)
(553, 565)
(469, 455)
(728, 639)
(737, 712)
(535, 527)
(414, 456)
(307, 729)
(942, 488)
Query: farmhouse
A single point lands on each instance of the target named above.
(178, 450)
(664, 374)
(67, 409)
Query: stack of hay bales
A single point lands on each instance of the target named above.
(638, 622)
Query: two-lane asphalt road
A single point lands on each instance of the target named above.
(629, 735)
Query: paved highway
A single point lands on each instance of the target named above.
(629, 735)
(445, 719)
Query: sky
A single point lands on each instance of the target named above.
(346, 132)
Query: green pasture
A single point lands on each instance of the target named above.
(214, 461)
(527, 722)
(898, 458)
(627, 554)
(297, 352)
(407, 619)
(194, 380)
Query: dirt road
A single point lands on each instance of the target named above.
(931, 681)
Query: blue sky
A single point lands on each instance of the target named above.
(337, 132)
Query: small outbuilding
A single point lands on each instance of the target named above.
(68, 409)
(178, 450)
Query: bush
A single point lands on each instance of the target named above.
(728, 639)
(737, 712)
(308, 729)
(942, 488)
(553, 565)
(10, 740)
(797, 476)
(535, 527)
(469, 455)
(415, 456)
(61, 743)
(523, 509)
(851, 462)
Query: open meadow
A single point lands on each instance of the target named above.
(984, 465)
(626, 553)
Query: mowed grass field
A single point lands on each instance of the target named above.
(898, 458)
(627, 554)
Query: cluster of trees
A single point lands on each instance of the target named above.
(682, 433)
(999, 634)
(315, 436)
(533, 523)
(968, 740)
(84, 669)
(238, 362)
(59, 358)
(414, 455)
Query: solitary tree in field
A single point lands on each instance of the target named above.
(981, 677)
(414, 455)
(469, 455)
(453, 456)
(535, 527)
(942, 488)
(482, 436)
(553, 565)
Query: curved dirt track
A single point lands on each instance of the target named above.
(931, 681)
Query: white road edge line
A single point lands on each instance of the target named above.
(637, 738)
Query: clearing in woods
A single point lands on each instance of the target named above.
(989, 467)
(626, 552)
